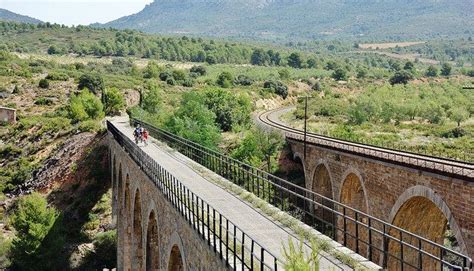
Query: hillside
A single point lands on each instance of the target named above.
(307, 19)
(6, 15)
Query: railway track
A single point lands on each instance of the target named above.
(443, 166)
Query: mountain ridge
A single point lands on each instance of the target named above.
(305, 19)
(9, 16)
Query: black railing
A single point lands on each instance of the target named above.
(379, 241)
(228, 241)
(416, 157)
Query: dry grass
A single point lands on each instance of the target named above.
(388, 45)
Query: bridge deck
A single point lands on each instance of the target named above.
(262, 229)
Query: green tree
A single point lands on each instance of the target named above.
(295, 60)
(458, 114)
(114, 101)
(401, 77)
(409, 66)
(194, 121)
(33, 220)
(225, 79)
(339, 74)
(93, 82)
(258, 148)
(259, 57)
(446, 69)
(85, 106)
(432, 71)
(152, 100)
(152, 70)
(230, 109)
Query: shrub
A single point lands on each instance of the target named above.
(200, 70)
(401, 77)
(277, 87)
(284, 74)
(339, 74)
(53, 76)
(454, 133)
(432, 71)
(85, 106)
(43, 83)
(93, 82)
(446, 69)
(152, 99)
(43, 101)
(225, 80)
(33, 221)
(114, 101)
(243, 80)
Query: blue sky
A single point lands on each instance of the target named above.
(74, 12)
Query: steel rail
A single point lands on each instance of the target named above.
(282, 190)
(451, 168)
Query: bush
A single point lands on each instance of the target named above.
(339, 75)
(225, 80)
(243, 80)
(200, 70)
(432, 71)
(85, 106)
(454, 133)
(33, 221)
(89, 126)
(43, 101)
(93, 82)
(114, 101)
(104, 253)
(57, 76)
(277, 87)
(43, 83)
(152, 99)
(401, 77)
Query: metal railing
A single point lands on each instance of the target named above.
(228, 241)
(374, 238)
(400, 154)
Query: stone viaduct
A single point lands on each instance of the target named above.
(152, 234)
(422, 201)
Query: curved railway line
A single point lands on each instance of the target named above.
(443, 166)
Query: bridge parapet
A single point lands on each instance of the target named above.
(229, 243)
(373, 236)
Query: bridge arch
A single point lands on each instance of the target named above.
(176, 259)
(353, 194)
(152, 252)
(422, 211)
(127, 215)
(137, 233)
(322, 183)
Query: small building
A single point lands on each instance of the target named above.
(7, 115)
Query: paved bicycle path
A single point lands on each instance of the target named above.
(265, 231)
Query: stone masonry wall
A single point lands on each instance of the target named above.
(387, 187)
(172, 229)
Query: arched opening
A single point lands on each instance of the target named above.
(421, 216)
(176, 260)
(137, 248)
(152, 250)
(322, 185)
(126, 215)
(353, 195)
(115, 204)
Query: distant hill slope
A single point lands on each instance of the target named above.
(6, 15)
(305, 19)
